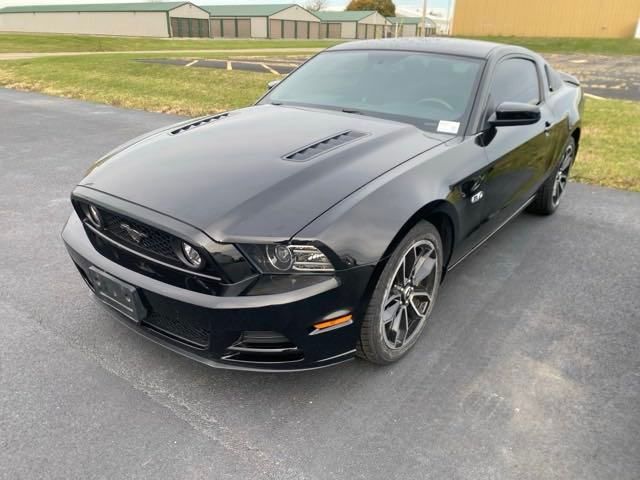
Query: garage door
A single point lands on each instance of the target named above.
(244, 28)
(216, 27)
(362, 31)
(302, 30)
(370, 31)
(229, 28)
(275, 28)
(314, 30)
(334, 30)
(189, 27)
(288, 29)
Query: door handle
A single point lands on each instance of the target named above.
(547, 128)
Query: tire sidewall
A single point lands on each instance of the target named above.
(382, 353)
(549, 191)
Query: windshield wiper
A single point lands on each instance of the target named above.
(350, 110)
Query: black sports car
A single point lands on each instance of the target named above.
(319, 223)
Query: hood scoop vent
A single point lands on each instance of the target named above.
(198, 123)
(322, 146)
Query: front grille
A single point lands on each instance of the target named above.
(152, 241)
(187, 331)
(156, 253)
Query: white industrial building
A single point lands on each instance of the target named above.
(152, 19)
(411, 26)
(263, 21)
(353, 24)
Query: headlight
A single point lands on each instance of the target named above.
(288, 258)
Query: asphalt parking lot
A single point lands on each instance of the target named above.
(600, 75)
(280, 66)
(529, 369)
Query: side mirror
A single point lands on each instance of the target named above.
(272, 84)
(511, 114)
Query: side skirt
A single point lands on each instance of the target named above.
(514, 214)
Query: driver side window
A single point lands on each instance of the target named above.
(515, 80)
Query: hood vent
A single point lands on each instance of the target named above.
(198, 123)
(310, 151)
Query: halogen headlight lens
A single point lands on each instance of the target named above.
(288, 258)
(280, 257)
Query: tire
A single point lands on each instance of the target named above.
(382, 330)
(550, 193)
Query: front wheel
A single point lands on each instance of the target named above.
(550, 193)
(404, 296)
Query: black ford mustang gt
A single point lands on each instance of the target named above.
(319, 223)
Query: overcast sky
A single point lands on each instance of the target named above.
(406, 6)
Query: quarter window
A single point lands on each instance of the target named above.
(515, 80)
(555, 82)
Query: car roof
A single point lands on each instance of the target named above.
(442, 45)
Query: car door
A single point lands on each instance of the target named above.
(516, 158)
(519, 155)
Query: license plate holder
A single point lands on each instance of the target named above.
(118, 295)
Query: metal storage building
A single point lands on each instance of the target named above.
(409, 26)
(353, 24)
(154, 19)
(263, 21)
(547, 18)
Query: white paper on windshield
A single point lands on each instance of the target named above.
(445, 126)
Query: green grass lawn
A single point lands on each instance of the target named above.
(119, 80)
(603, 46)
(13, 43)
(21, 43)
(609, 151)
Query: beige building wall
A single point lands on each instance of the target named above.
(189, 11)
(137, 24)
(258, 27)
(348, 29)
(295, 13)
(547, 18)
(407, 30)
(375, 19)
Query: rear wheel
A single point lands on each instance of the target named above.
(404, 296)
(549, 196)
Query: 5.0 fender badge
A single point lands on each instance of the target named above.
(477, 196)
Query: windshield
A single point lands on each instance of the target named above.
(432, 92)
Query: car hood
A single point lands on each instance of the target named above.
(230, 176)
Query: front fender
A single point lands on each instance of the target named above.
(361, 228)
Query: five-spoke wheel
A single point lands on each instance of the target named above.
(404, 296)
(409, 295)
(562, 175)
(551, 192)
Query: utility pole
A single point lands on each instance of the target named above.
(424, 18)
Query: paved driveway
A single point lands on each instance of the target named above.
(530, 368)
(600, 75)
(607, 76)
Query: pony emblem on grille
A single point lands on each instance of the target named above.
(135, 235)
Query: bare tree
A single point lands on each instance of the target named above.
(316, 5)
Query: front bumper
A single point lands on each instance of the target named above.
(210, 329)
